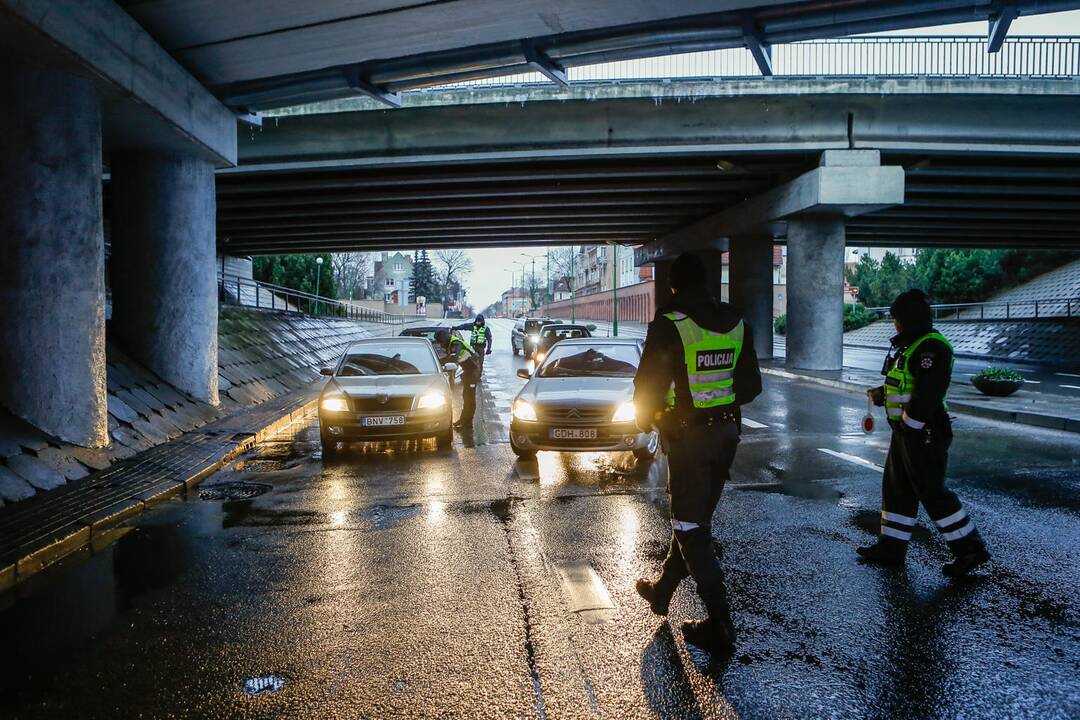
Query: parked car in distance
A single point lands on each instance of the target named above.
(551, 334)
(385, 389)
(526, 334)
(581, 399)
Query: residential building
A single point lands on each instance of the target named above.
(391, 278)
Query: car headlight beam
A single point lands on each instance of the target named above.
(431, 401)
(524, 411)
(625, 412)
(334, 404)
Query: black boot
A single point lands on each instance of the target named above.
(883, 553)
(964, 563)
(712, 635)
(657, 597)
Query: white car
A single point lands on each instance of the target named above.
(386, 389)
(580, 399)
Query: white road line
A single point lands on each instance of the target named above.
(1072, 387)
(753, 424)
(1067, 374)
(1033, 382)
(851, 458)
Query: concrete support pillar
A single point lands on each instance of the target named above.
(714, 271)
(52, 276)
(750, 280)
(815, 285)
(163, 269)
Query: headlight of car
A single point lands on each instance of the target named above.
(524, 411)
(625, 412)
(431, 401)
(334, 404)
(534, 338)
(540, 357)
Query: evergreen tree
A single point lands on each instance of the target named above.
(297, 272)
(423, 282)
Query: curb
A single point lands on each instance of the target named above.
(95, 530)
(1052, 422)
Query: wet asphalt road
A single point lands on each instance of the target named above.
(400, 581)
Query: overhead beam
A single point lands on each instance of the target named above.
(543, 64)
(361, 86)
(999, 27)
(760, 49)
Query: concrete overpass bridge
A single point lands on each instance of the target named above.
(149, 94)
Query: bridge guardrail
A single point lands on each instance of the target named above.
(1052, 56)
(1002, 310)
(237, 290)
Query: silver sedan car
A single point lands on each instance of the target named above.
(385, 389)
(580, 399)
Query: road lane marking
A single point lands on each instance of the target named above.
(1072, 387)
(753, 424)
(851, 458)
(586, 594)
(1067, 374)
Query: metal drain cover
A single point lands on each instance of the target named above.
(263, 685)
(236, 490)
(262, 465)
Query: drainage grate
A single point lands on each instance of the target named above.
(237, 490)
(263, 685)
(261, 465)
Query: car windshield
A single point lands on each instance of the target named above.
(395, 359)
(532, 326)
(591, 360)
(564, 333)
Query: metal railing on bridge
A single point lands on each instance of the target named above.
(237, 290)
(870, 56)
(1002, 310)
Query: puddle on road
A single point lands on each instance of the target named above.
(264, 685)
(382, 517)
(810, 491)
(234, 490)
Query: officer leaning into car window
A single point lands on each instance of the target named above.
(698, 366)
(459, 352)
(480, 338)
(917, 373)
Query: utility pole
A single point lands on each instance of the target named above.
(318, 277)
(573, 284)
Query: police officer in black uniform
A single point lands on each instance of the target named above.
(703, 348)
(468, 360)
(917, 373)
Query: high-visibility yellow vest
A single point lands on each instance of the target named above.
(710, 359)
(479, 335)
(459, 350)
(899, 380)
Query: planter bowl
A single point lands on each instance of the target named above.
(996, 388)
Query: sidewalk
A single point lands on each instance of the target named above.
(1027, 407)
(39, 531)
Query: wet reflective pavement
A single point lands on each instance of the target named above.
(401, 581)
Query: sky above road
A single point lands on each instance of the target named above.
(491, 267)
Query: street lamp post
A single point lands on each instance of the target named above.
(573, 284)
(522, 265)
(318, 277)
(615, 290)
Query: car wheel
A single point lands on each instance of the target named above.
(649, 451)
(522, 453)
(329, 446)
(444, 441)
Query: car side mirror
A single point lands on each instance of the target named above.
(450, 367)
(326, 371)
(523, 373)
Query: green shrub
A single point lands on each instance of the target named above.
(992, 373)
(856, 316)
(780, 325)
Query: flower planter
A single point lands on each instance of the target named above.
(996, 388)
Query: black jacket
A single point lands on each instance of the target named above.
(663, 361)
(931, 365)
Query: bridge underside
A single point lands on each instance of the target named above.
(986, 163)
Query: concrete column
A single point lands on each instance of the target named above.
(662, 283)
(815, 283)
(714, 271)
(162, 268)
(52, 275)
(750, 280)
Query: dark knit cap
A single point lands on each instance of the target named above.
(688, 271)
(912, 309)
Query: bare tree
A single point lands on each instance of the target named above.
(562, 266)
(452, 268)
(350, 273)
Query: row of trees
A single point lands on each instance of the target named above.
(344, 275)
(951, 275)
